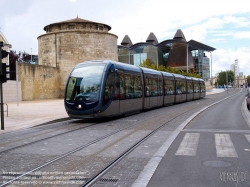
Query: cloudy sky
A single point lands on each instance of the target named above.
(224, 25)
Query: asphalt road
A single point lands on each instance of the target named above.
(213, 150)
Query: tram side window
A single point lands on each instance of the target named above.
(130, 86)
(137, 86)
(159, 87)
(70, 89)
(147, 86)
(108, 87)
(203, 89)
(184, 87)
(119, 88)
(153, 87)
(168, 87)
(178, 87)
(127, 86)
(190, 87)
(196, 88)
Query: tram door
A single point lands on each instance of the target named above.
(117, 94)
(147, 93)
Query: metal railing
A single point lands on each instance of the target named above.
(7, 110)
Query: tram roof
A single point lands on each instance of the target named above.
(167, 74)
(127, 67)
(150, 71)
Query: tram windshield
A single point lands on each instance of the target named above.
(84, 83)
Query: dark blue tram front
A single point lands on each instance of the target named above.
(103, 89)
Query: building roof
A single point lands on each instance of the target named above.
(152, 39)
(179, 35)
(3, 38)
(192, 44)
(165, 45)
(126, 41)
(180, 38)
(75, 20)
(197, 45)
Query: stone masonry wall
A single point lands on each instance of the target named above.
(12, 91)
(39, 82)
(66, 49)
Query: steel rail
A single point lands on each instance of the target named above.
(97, 176)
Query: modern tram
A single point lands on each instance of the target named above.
(98, 89)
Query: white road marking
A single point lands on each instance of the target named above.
(189, 144)
(247, 137)
(224, 146)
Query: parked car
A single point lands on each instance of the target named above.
(248, 92)
(248, 102)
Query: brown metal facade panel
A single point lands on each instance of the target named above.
(178, 56)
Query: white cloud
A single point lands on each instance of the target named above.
(210, 22)
(242, 35)
(222, 60)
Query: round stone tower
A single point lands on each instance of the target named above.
(67, 43)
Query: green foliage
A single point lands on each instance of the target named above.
(222, 77)
(148, 64)
(151, 65)
(248, 80)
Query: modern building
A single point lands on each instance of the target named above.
(235, 67)
(176, 53)
(139, 52)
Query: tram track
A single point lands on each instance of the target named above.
(97, 177)
(146, 121)
(66, 154)
(40, 140)
(24, 133)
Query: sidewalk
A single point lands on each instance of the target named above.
(31, 113)
(215, 91)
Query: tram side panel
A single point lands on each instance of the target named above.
(196, 89)
(190, 89)
(180, 89)
(202, 89)
(169, 89)
(129, 91)
(153, 96)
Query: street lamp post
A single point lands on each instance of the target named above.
(227, 81)
(31, 56)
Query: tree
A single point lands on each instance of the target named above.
(13, 57)
(222, 77)
(148, 64)
(248, 80)
(151, 65)
(22, 57)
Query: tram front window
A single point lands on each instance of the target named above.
(84, 83)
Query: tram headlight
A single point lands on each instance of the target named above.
(79, 106)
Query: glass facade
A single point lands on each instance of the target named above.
(139, 58)
(202, 64)
(138, 53)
